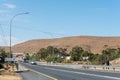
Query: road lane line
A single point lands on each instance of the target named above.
(43, 74)
(88, 74)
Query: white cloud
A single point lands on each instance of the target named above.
(15, 41)
(5, 41)
(10, 6)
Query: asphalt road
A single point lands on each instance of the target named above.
(29, 75)
(61, 73)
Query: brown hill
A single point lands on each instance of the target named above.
(6, 48)
(92, 43)
(115, 62)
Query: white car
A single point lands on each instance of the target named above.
(33, 63)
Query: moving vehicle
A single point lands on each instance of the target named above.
(33, 63)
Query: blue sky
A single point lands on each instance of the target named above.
(58, 18)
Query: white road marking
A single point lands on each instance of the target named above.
(43, 74)
(88, 74)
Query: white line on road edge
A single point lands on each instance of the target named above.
(43, 74)
(88, 74)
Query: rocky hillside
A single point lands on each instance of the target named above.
(92, 43)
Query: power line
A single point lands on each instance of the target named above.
(40, 31)
(45, 32)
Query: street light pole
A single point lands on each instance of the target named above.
(11, 29)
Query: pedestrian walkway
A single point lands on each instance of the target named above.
(21, 68)
(26, 74)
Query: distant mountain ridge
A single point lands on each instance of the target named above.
(92, 43)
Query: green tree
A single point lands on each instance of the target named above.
(101, 59)
(54, 59)
(86, 54)
(49, 58)
(27, 56)
(76, 53)
(111, 53)
(50, 50)
(3, 54)
(37, 57)
(63, 52)
(42, 53)
(58, 59)
(94, 58)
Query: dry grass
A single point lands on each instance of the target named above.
(95, 44)
(115, 62)
(9, 76)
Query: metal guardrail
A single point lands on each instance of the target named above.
(102, 67)
(81, 66)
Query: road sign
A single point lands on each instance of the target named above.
(9, 59)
